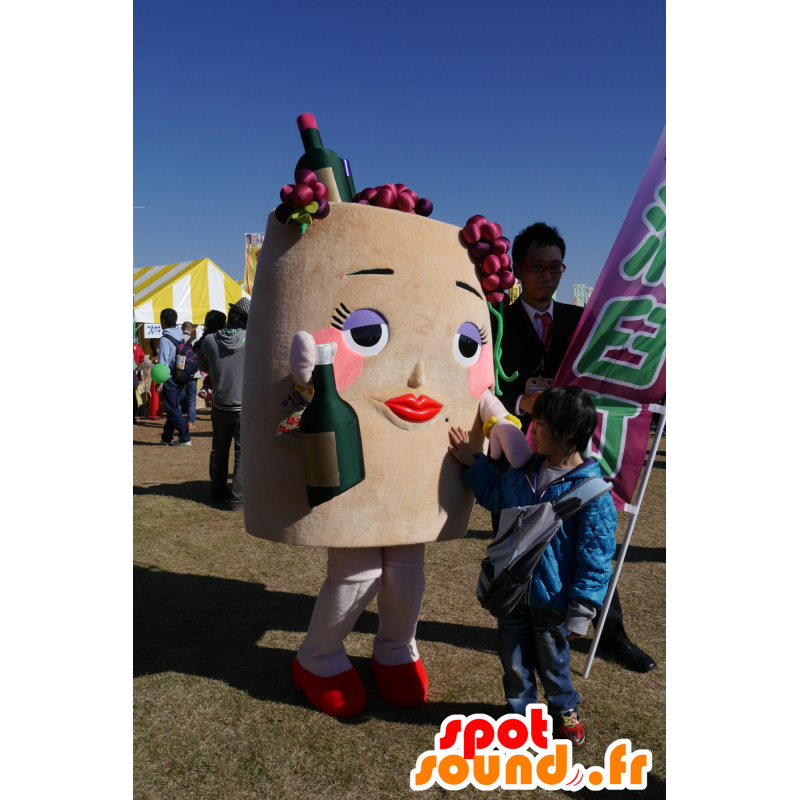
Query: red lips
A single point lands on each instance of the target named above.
(414, 409)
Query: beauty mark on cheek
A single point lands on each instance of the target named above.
(481, 374)
(346, 364)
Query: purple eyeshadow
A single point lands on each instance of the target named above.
(366, 316)
(470, 330)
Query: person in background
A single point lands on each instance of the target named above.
(214, 321)
(222, 355)
(138, 358)
(169, 391)
(189, 402)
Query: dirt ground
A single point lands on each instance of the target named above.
(220, 614)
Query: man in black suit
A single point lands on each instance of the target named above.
(536, 334)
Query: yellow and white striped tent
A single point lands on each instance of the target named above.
(192, 288)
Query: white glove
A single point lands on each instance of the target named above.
(302, 358)
(504, 436)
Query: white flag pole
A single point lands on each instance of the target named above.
(626, 541)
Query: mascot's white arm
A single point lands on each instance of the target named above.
(302, 358)
(504, 434)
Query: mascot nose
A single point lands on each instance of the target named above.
(417, 377)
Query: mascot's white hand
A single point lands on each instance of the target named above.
(302, 357)
(491, 407)
(504, 435)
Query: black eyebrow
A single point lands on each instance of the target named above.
(468, 288)
(372, 272)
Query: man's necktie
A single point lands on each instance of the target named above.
(547, 323)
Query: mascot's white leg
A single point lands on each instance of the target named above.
(399, 674)
(399, 601)
(321, 667)
(355, 575)
(353, 580)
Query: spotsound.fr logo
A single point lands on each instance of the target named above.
(491, 754)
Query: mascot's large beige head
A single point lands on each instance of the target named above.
(399, 295)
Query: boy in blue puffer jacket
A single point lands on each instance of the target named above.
(570, 581)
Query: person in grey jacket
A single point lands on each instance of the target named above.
(222, 356)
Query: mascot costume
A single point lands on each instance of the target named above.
(369, 335)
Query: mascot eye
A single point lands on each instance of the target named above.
(467, 344)
(366, 332)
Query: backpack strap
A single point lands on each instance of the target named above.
(572, 501)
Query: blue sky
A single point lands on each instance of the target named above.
(520, 111)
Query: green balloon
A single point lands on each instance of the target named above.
(159, 373)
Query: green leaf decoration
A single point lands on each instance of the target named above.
(303, 215)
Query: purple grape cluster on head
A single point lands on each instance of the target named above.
(299, 195)
(489, 249)
(395, 195)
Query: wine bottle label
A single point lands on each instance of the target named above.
(325, 174)
(180, 362)
(319, 459)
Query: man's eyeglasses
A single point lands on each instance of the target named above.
(538, 267)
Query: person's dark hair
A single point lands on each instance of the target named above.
(169, 318)
(571, 415)
(236, 320)
(187, 327)
(215, 321)
(540, 234)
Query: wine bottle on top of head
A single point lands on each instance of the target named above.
(330, 436)
(325, 164)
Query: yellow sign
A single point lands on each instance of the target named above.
(252, 250)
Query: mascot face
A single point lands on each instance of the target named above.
(399, 296)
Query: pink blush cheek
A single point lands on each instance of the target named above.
(481, 374)
(346, 364)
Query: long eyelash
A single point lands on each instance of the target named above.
(483, 335)
(340, 315)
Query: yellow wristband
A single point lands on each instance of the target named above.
(492, 421)
(302, 389)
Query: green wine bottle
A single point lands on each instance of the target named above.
(324, 163)
(330, 437)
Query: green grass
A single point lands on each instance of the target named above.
(220, 614)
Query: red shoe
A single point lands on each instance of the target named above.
(568, 726)
(403, 686)
(341, 695)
